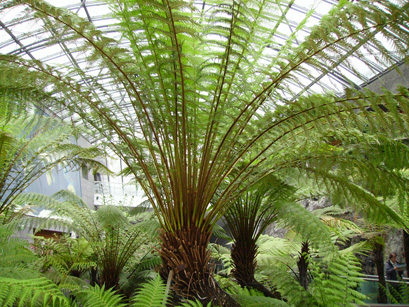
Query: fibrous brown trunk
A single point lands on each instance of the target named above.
(185, 253)
(380, 267)
(110, 277)
(303, 265)
(406, 250)
(243, 254)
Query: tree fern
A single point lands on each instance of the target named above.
(214, 98)
(110, 235)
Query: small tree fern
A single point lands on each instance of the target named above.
(110, 235)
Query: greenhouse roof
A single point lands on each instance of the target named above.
(290, 22)
(23, 36)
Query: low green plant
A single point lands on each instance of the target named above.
(253, 298)
(31, 292)
(65, 260)
(100, 297)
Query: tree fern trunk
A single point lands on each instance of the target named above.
(110, 277)
(243, 254)
(93, 276)
(406, 250)
(303, 265)
(185, 252)
(380, 267)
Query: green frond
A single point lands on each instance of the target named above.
(14, 252)
(149, 227)
(101, 297)
(195, 303)
(67, 283)
(295, 217)
(110, 216)
(70, 197)
(31, 292)
(336, 281)
(290, 288)
(32, 145)
(20, 272)
(219, 232)
(152, 294)
(277, 247)
(258, 301)
(148, 263)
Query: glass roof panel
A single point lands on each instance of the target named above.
(27, 38)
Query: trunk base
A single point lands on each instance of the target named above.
(185, 254)
(259, 287)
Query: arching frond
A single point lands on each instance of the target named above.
(30, 292)
(151, 294)
(171, 59)
(99, 296)
(203, 100)
(32, 145)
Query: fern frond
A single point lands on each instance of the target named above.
(302, 221)
(195, 303)
(31, 292)
(152, 294)
(219, 232)
(101, 297)
(337, 280)
(258, 301)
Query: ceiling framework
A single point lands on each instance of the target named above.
(25, 38)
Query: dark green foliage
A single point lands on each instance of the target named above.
(142, 270)
(333, 281)
(64, 260)
(156, 294)
(400, 296)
